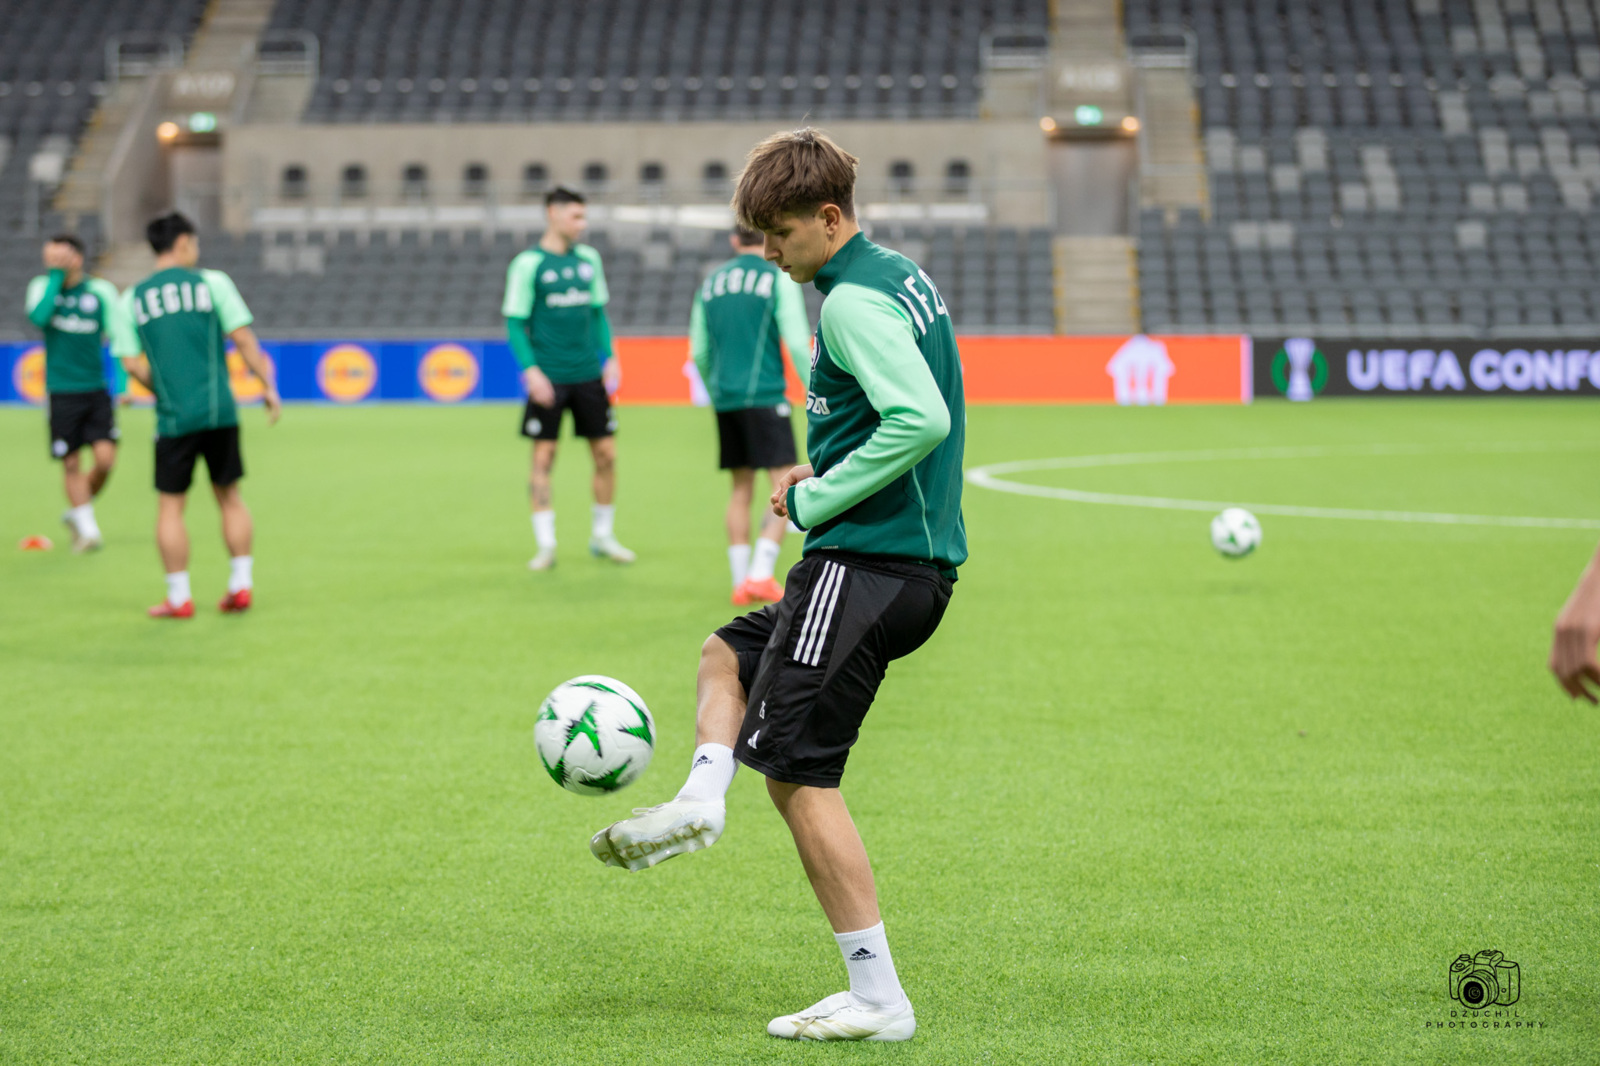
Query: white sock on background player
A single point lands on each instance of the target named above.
(765, 560)
(178, 588)
(603, 521)
(710, 773)
(83, 521)
(873, 981)
(239, 573)
(739, 563)
(544, 530)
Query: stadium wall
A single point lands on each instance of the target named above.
(1007, 161)
(656, 370)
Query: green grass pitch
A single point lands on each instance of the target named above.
(1133, 804)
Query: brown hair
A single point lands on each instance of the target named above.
(794, 172)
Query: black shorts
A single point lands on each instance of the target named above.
(811, 663)
(79, 418)
(175, 458)
(757, 437)
(592, 416)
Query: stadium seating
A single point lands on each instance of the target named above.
(544, 60)
(342, 283)
(1409, 166)
(52, 74)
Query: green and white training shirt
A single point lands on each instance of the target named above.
(73, 320)
(741, 311)
(886, 415)
(180, 319)
(555, 313)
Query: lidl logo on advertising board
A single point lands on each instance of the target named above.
(448, 373)
(347, 373)
(28, 375)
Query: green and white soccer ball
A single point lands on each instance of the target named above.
(1235, 533)
(594, 735)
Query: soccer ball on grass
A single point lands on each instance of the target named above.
(594, 735)
(1235, 533)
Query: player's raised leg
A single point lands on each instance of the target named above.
(544, 516)
(238, 531)
(172, 540)
(695, 817)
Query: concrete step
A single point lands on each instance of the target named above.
(80, 189)
(1096, 285)
(125, 263)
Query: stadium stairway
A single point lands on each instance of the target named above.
(1097, 285)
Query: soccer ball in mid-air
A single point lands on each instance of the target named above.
(594, 735)
(1235, 533)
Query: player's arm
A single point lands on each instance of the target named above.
(700, 338)
(789, 307)
(244, 339)
(1572, 652)
(610, 365)
(40, 302)
(600, 329)
(111, 302)
(517, 309)
(126, 347)
(870, 336)
(236, 319)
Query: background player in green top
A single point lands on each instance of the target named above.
(74, 310)
(555, 311)
(743, 309)
(173, 339)
(787, 687)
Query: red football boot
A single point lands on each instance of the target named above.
(235, 602)
(166, 610)
(766, 590)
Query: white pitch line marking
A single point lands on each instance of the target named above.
(989, 477)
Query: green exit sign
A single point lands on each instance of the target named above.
(1088, 115)
(206, 122)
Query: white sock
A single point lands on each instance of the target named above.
(603, 521)
(738, 562)
(872, 977)
(178, 588)
(239, 577)
(710, 774)
(83, 520)
(765, 559)
(544, 530)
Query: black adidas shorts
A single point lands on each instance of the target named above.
(761, 438)
(176, 456)
(79, 418)
(811, 663)
(592, 416)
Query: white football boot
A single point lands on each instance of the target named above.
(545, 560)
(656, 834)
(838, 1018)
(609, 548)
(78, 539)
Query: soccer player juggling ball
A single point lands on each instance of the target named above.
(555, 312)
(784, 689)
(744, 307)
(173, 338)
(74, 310)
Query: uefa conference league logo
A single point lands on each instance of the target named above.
(1299, 369)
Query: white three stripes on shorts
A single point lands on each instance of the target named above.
(819, 613)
